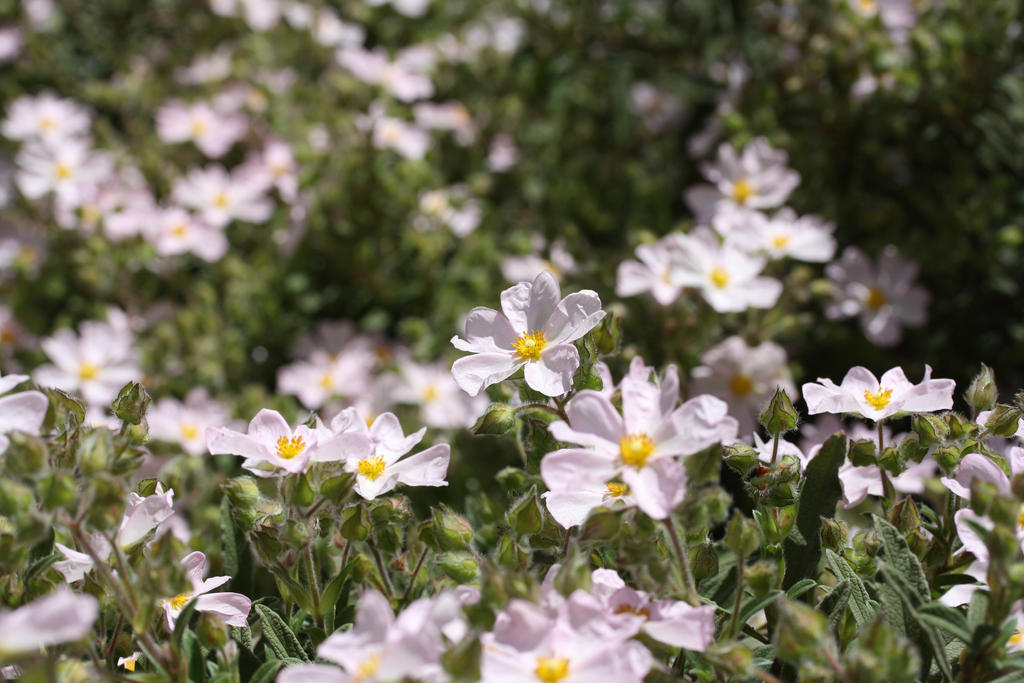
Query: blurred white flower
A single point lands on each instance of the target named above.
(260, 15)
(408, 140)
(69, 169)
(559, 262)
(45, 117)
(23, 411)
(451, 116)
(884, 296)
(59, 617)
(654, 272)
(442, 404)
(330, 31)
(207, 68)
(784, 234)
(728, 277)
(374, 67)
(323, 375)
(213, 132)
(744, 377)
(503, 154)
(220, 197)
(451, 208)
(174, 231)
(185, 422)
(658, 109)
(10, 43)
(231, 608)
(410, 8)
(276, 166)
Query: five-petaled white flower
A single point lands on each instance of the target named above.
(877, 399)
(727, 276)
(232, 608)
(535, 330)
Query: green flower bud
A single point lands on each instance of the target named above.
(1004, 420)
(513, 480)
(930, 429)
(762, 576)
(449, 530)
(461, 567)
(959, 425)
(776, 523)
(983, 494)
(740, 457)
(131, 403)
(57, 491)
(336, 488)
(703, 562)
(497, 419)
(904, 516)
(26, 454)
(526, 515)
(800, 632)
(601, 525)
(948, 458)
(982, 393)
(212, 631)
(137, 434)
(355, 523)
(780, 416)
(510, 555)
(15, 498)
(299, 533)
(835, 534)
(608, 335)
(244, 496)
(303, 494)
(890, 460)
(863, 452)
(732, 657)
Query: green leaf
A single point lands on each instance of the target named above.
(333, 590)
(299, 593)
(801, 587)
(268, 670)
(862, 606)
(194, 655)
(900, 558)
(181, 625)
(977, 610)
(282, 641)
(926, 636)
(834, 604)
(753, 606)
(818, 498)
(229, 545)
(946, 618)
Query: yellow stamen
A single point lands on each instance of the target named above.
(626, 608)
(528, 346)
(88, 371)
(91, 213)
(179, 601)
(372, 468)
(616, 489)
(430, 393)
(435, 203)
(741, 191)
(780, 241)
(189, 431)
(326, 381)
(1020, 517)
(129, 664)
(878, 399)
(876, 298)
(47, 123)
(551, 669)
(277, 170)
(719, 277)
(741, 385)
(198, 127)
(1016, 638)
(63, 171)
(179, 230)
(367, 667)
(289, 448)
(221, 200)
(635, 449)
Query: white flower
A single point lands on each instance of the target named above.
(213, 132)
(174, 231)
(45, 117)
(745, 377)
(220, 197)
(97, 363)
(536, 330)
(451, 116)
(559, 262)
(758, 178)
(129, 662)
(804, 238)
(260, 15)
(60, 617)
(276, 163)
(884, 296)
(655, 272)
(232, 608)
(22, 412)
(502, 155)
(330, 31)
(142, 515)
(408, 140)
(69, 169)
(375, 68)
(206, 68)
(324, 375)
(185, 422)
(410, 8)
(442, 404)
(876, 399)
(10, 43)
(658, 109)
(452, 208)
(76, 565)
(727, 276)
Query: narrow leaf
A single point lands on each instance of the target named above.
(282, 641)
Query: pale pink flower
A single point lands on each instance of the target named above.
(783, 235)
(442, 404)
(220, 197)
(323, 375)
(884, 296)
(374, 67)
(143, 514)
(69, 169)
(23, 411)
(727, 276)
(408, 140)
(96, 363)
(654, 272)
(45, 117)
(130, 661)
(502, 155)
(59, 617)
(757, 178)
(260, 15)
(213, 132)
(207, 68)
(658, 109)
(638, 446)
(876, 399)
(132, 216)
(10, 43)
(976, 467)
(185, 423)
(272, 448)
(745, 377)
(451, 116)
(559, 262)
(860, 482)
(379, 465)
(76, 565)
(765, 448)
(276, 163)
(231, 608)
(410, 8)
(450, 207)
(330, 31)
(175, 231)
(534, 332)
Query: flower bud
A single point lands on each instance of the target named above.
(904, 516)
(513, 480)
(449, 530)
(601, 525)
(15, 497)
(800, 631)
(959, 425)
(213, 633)
(526, 515)
(26, 454)
(461, 567)
(703, 562)
(608, 335)
(930, 429)
(1004, 420)
(137, 434)
(355, 523)
(947, 457)
(780, 416)
(740, 457)
(336, 488)
(131, 403)
(762, 576)
(982, 393)
(244, 496)
(863, 452)
(835, 534)
(890, 460)
(59, 491)
(94, 452)
(732, 657)
(497, 419)
(510, 555)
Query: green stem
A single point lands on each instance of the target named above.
(775, 449)
(888, 492)
(380, 567)
(415, 573)
(314, 585)
(734, 620)
(684, 563)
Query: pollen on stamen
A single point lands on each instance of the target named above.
(719, 277)
(780, 241)
(87, 371)
(876, 298)
(372, 468)
(367, 667)
(189, 431)
(529, 345)
(878, 399)
(288, 448)
(635, 449)
(552, 669)
(626, 608)
(616, 489)
(742, 191)
(179, 601)
(741, 385)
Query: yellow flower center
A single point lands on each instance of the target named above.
(90, 213)
(88, 371)
(719, 277)
(635, 449)
(326, 381)
(616, 489)
(626, 608)
(868, 5)
(528, 346)
(288, 448)
(179, 230)
(741, 385)
(392, 133)
(221, 200)
(47, 123)
(372, 468)
(435, 203)
(198, 127)
(461, 116)
(367, 667)
(129, 664)
(741, 191)
(878, 399)
(1020, 517)
(279, 169)
(179, 601)
(1016, 638)
(189, 431)
(63, 171)
(876, 298)
(551, 669)
(780, 241)
(430, 393)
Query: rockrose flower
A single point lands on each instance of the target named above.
(535, 331)
(877, 399)
(60, 617)
(232, 608)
